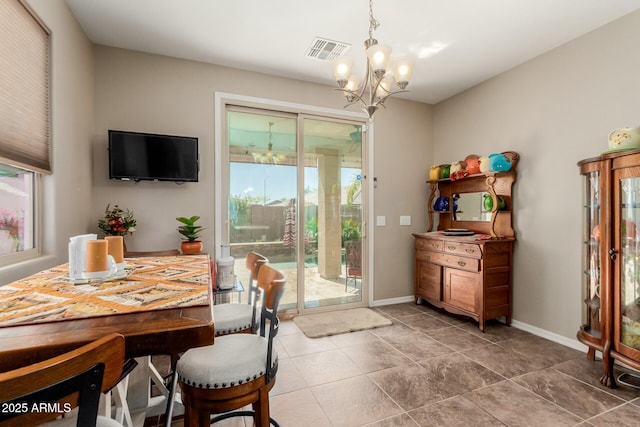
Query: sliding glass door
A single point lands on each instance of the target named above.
(294, 194)
(333, 213)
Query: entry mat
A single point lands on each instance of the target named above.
(339, 322)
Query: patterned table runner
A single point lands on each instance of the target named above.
(152, 283)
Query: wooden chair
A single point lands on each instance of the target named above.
(241, 318)
(238, 369)
(44, 391)
(353, 262)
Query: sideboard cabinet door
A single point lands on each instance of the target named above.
(462, 289)
(429, 283)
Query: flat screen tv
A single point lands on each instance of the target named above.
(139, 156)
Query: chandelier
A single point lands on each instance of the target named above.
(378, 82)
(269, 156)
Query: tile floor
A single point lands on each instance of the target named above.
(434, 369)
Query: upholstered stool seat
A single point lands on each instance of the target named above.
(232, 360)
(232, 318)
(241, 318)
(237, 370)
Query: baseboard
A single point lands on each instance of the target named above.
(568, 342)
(543, 333)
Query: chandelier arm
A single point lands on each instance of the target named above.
(381, 100)
(366, 84)
(357, 97)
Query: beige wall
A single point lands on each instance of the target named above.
(554, 110)
(66, 202)
(151, 93)
(402, 156)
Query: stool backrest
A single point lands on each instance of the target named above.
(271, 282)
(254, 262)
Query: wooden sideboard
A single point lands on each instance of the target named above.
(465, 266)
(464, 275)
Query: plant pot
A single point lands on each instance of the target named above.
(191, 248)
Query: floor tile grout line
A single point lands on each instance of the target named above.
(607, 411)
(604, 390)
(390, 398)
(482, 409)
(543, 398)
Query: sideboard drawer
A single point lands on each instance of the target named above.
(466, 249)
(430, 244)
(461, 263)
(429, 256)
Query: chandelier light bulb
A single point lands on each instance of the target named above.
(342, 69)
(379, 55)
(384, 88)
(353, 83)
(402, 69)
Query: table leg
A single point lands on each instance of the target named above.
(141, 404)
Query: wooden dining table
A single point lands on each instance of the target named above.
(163, 306)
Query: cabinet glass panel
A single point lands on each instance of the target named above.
(591, 314)
(630, 258)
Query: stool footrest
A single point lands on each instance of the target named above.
(240, 414)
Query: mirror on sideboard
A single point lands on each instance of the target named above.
(470, 207)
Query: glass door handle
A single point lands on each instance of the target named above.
(613, 254)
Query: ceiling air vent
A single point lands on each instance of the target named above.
(326, 50)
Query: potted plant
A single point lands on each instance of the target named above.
(350, 231)
(117, 221)
(191, 244)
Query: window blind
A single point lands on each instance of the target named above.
(24, 88)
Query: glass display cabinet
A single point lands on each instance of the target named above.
(611, 262)
(591, 329)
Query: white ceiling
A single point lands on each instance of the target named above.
(457, 43)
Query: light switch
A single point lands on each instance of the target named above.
(405, 220)
(381, 221)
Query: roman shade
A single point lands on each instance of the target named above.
(24, 88)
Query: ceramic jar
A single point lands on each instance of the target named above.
(487, 202)
(485, 164)
(473, 165)
(499, 162)
(434, 173)
(445, 171)
(454, 169)
(441, 204)
(624, 139)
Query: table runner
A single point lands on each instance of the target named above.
(152, 283)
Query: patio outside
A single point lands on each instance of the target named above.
(319, 291)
